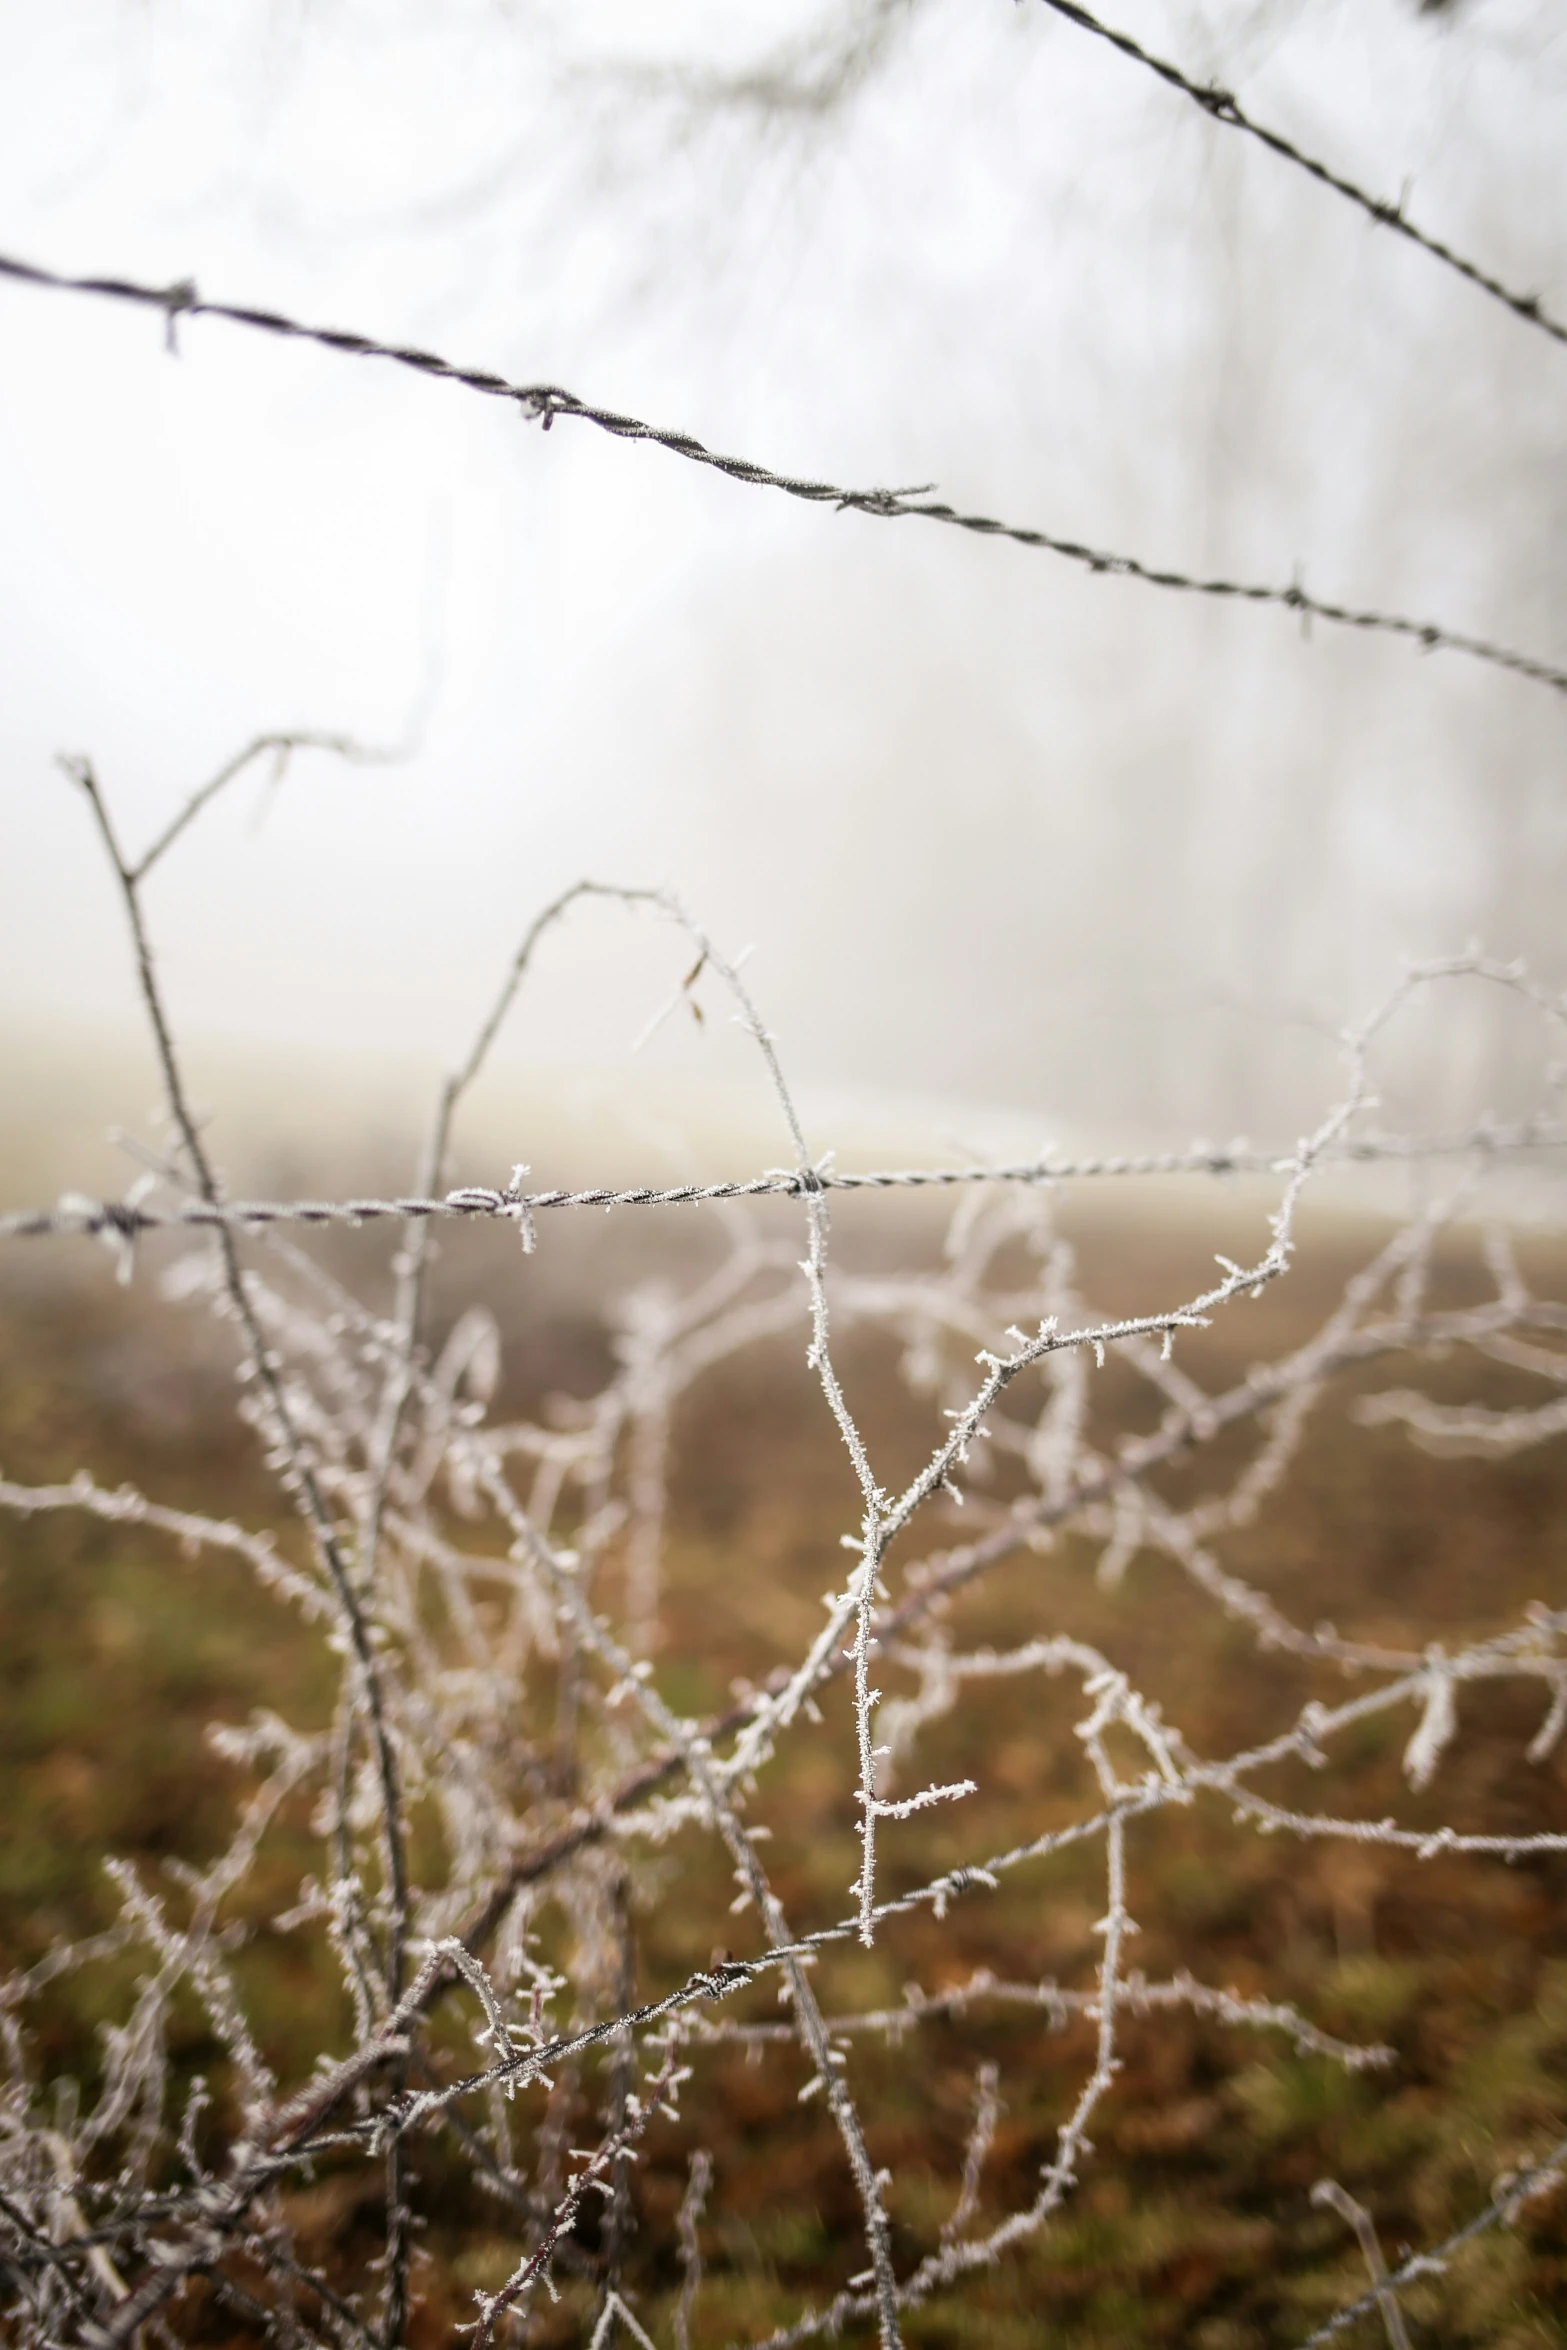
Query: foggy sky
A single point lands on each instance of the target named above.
(1001, 833)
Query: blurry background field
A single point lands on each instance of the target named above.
(1055, 843)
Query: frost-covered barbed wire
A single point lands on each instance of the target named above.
(126, 1219)
(544, 402)
(505, 1747)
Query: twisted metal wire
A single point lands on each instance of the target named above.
(543, 402)
(1221, 105)
(125, 1220)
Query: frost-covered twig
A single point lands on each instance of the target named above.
(505, 1744)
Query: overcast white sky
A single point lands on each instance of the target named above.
(998, 832)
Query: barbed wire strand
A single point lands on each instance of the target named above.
(125, 1220)
(544, 402)
(1221, 105)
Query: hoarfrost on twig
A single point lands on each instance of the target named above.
(490, 1595)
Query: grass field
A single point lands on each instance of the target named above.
(1194, 2221)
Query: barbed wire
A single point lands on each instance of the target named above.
(127, 1219)
(1221, 105)
(544, 402)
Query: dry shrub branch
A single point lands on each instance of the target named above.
(508, 1743)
